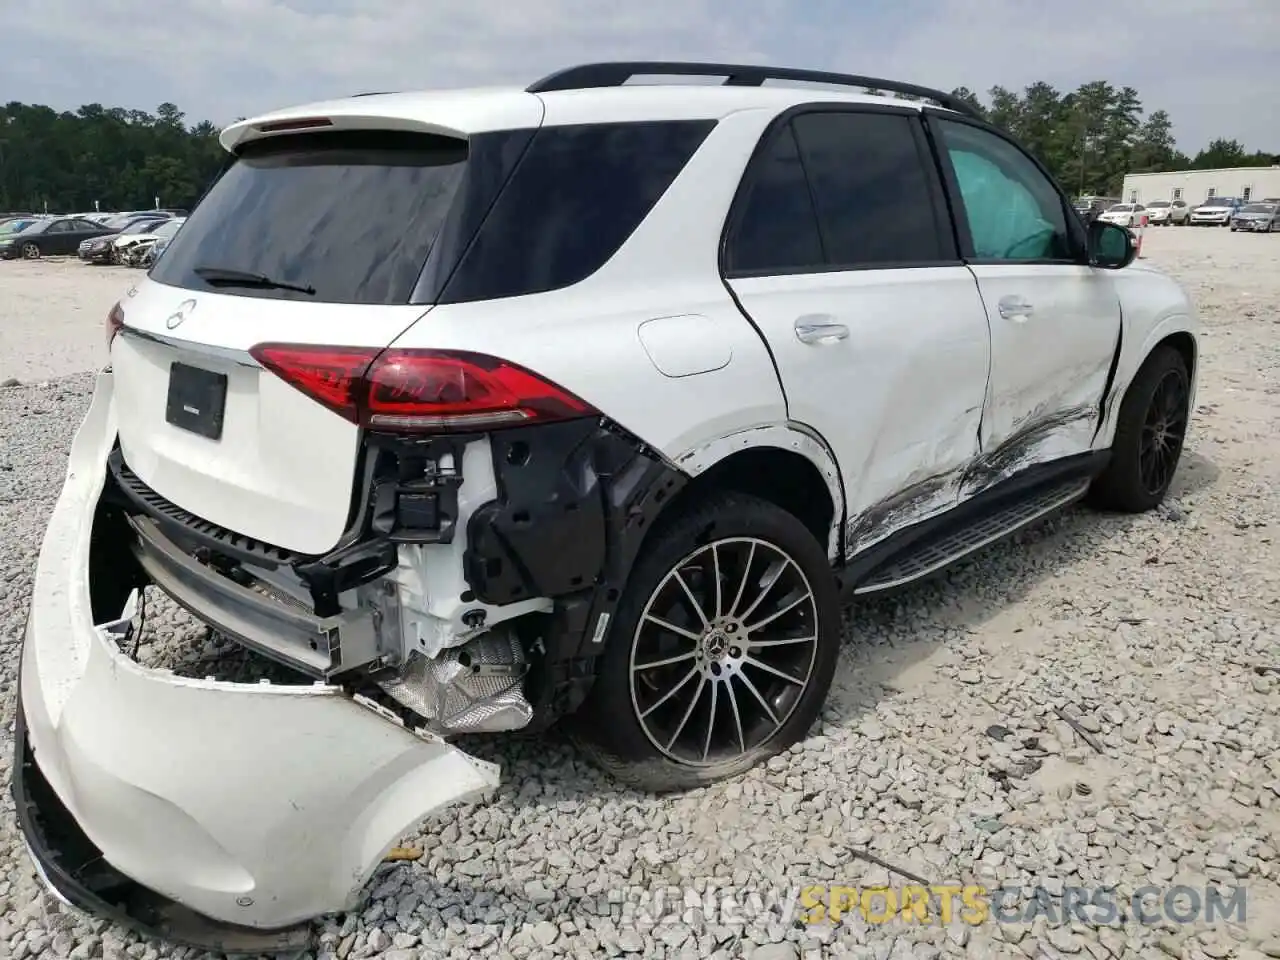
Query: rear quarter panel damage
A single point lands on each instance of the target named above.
(792, 437)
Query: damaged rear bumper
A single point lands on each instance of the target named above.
(204, 811)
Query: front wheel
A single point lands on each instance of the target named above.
(30, 251)
(721, 652)
(1150, 429)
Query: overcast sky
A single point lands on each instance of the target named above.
(1212, 64)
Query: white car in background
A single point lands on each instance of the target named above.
(1123, 214)
(484, 409)
(130, 248)
(1215, 213)
(1163, 213)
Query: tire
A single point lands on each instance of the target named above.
(1130, 483)
(30, 251)
(716, 540)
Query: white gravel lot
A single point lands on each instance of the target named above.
(52, 314)
(940, 751)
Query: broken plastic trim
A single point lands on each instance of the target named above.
(575, 501)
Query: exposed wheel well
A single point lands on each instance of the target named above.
(1185, 344)
(786, 479)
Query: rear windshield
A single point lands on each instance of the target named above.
(351, 215)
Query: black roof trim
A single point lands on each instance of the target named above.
(615, 74)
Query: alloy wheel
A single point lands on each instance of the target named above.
(30, 251)
(724, 651)
(1163, 431)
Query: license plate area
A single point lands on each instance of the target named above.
(197, 400)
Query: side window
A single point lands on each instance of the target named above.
(1014, 210)
(575, 197)
(870, 188)
(59, 226)
(775, 229)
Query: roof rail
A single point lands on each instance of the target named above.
(615, 74)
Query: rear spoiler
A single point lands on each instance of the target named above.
(448, 113)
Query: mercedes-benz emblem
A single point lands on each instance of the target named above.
(181, 314)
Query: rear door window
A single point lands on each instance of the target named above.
(351, 214)
(776, 229)
(871, 189)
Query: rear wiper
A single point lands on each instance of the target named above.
(226, 277)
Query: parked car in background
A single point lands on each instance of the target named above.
(1257, 218)
(1164, 213)
(1123, 214)
(130, 249)
(1215, 212)
(43, 238)
(14, 224)
(103, 250)
(1090, 208)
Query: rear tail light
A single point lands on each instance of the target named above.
(115, 320)
(420, 391)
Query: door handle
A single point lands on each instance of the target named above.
(819, 328)
(1015, 308)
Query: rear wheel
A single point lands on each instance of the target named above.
(1150, 430)
(722, 650)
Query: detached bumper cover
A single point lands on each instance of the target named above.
(255, 806)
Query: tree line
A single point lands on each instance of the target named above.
(122, 159)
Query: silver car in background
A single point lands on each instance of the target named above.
(1163, 213)
(1257, 218)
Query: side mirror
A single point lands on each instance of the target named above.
(1111, 246)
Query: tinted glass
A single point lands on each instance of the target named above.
(575, 197)
(775, 228)
(351, 214)
(1013, 209)
(1257, 208)
(1158, 204)
(870, 188)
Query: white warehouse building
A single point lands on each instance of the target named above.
(1197, 186)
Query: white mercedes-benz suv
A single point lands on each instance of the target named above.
(478, 410)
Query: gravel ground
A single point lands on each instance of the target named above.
(943, 750)
(51, 316)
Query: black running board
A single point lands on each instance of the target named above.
(932, 545)
(935, 554)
